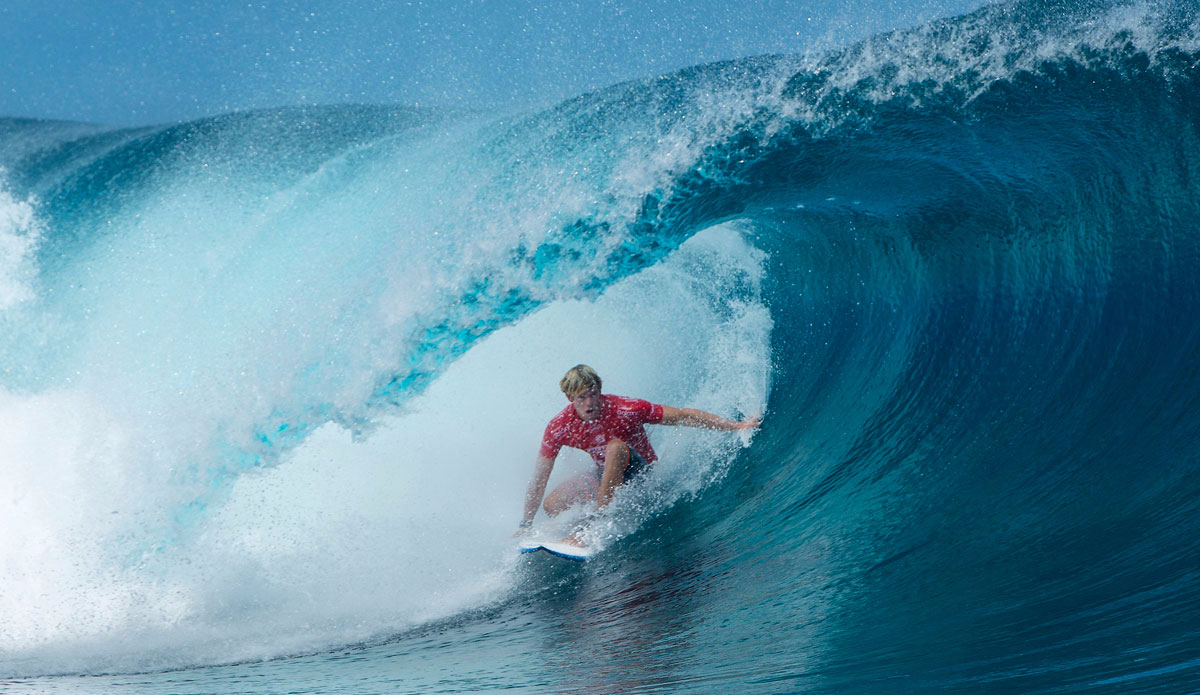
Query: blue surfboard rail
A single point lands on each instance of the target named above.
(562, 550)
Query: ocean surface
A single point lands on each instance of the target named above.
(272, 382)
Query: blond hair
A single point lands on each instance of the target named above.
(578, 379)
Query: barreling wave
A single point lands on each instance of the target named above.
(958, 264)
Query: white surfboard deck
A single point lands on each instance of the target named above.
(564, 550)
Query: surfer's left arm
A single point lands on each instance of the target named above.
(537, 490)
(691, 417)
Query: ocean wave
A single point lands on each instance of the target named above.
(956, 263)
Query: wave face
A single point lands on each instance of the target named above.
(262, 371)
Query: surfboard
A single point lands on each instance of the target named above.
(563, 550)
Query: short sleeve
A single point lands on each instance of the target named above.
(648, 413)
(551, 441)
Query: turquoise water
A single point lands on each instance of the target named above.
(273, 381)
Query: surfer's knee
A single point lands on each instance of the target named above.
(616, 448)
(581, 488)
(554, 504)
(559, 499)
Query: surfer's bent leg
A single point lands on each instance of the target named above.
(616, 459)
(581, 488)
(591, 486)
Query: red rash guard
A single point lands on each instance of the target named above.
(620, 417)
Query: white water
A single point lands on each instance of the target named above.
(20, 233)
(347, 539)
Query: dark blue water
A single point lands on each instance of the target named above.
(958, 266)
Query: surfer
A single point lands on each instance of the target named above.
(611, 430)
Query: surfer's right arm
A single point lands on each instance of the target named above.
(537, 490)
(690, 417)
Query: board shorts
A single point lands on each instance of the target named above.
(637, 465)
(636, 468)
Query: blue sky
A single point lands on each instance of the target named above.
(136, 62)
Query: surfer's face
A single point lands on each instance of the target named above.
(587, 404)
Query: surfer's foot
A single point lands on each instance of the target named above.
(574, 540)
